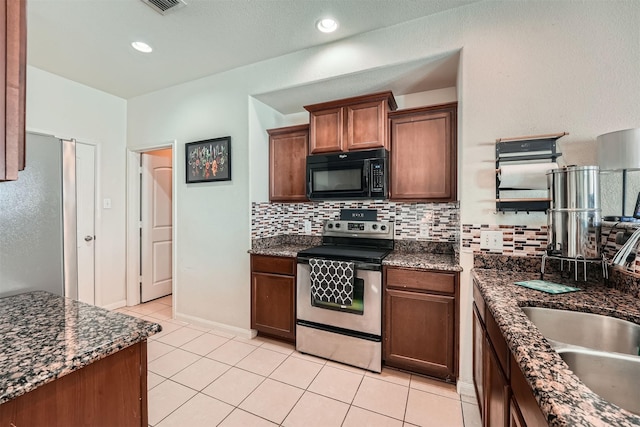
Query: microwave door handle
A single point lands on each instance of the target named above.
(366, 171)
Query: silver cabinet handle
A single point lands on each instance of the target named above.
(88, 238)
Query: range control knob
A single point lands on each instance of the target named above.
(374, 226)
(337, 225)
(383, 227)
(330, 225)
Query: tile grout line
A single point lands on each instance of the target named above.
(268, 376)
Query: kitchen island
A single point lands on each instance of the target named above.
(64, 362)
(563, 399)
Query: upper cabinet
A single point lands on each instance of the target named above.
(358, 123)
(288, 148)
(13, 49)
(424, 154)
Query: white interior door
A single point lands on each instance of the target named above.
(156, 217)
(85, 205)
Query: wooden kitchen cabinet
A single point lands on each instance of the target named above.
(504, 396)
(421, 321)
(496, 389)
(273, 296)
(109, 392)
(528, 411)
(288, 148)
(350, 124)
(478, 358)
(423, 151)
(13, 49)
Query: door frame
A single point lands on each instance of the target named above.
(133, 221)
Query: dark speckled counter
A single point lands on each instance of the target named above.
(409, 254)
(45, 336)
(563, 398)
(422, 260)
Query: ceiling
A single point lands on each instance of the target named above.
(88, 41)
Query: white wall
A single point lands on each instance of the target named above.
(526, 68)
(64, 108)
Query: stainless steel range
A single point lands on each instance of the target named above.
(339, 299)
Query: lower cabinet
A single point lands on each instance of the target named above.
(515, 418)
(496, 389)
(273, 296)
(421, 321)
(504, 396)
(109, 392)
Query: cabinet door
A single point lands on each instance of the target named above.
(366, 125)
(273, 304)
(419, 332)
(287, 163)
(515, 418)
(326, 131)
(423, 156)
(478, 343)
(528, 408)
(12, 88)
(496, 390)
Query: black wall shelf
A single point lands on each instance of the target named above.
(526, 149)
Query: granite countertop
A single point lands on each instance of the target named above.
(422, 260)
(286, 250)
(562, 397)
(410, 254)
(45, 336)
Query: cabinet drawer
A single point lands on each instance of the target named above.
(273, 264)
(421, 280)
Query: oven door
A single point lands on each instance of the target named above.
(341, 180)
(364, 315)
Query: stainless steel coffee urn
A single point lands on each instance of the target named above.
(574, 218)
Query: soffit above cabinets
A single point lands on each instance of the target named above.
(409, 77)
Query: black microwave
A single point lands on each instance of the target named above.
(351, 175)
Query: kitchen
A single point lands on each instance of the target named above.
(526, 68)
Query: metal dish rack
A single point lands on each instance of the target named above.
(531, 149)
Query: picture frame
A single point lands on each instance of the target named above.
(208, 160)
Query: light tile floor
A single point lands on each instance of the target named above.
(204, 377)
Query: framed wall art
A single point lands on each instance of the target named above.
(208, 160)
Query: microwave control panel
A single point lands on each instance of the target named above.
(377, 177)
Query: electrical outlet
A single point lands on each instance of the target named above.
(307, 226)
(424, 229)
(491, 240)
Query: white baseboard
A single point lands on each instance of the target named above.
(117, 304)
(241, 332)
(466, 389)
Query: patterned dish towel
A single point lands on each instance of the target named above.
(332, 281)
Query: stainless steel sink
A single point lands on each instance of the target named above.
(602, 351)
(588, 330)
(614, 377)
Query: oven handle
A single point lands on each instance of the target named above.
(357, 264)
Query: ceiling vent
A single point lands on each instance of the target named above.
(164, 7)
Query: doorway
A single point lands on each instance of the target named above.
(156, 222)
(159, 186)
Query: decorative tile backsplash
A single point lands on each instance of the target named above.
(436, 222)
(520, 240)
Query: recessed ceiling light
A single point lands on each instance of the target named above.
(327, 25)
(142, 47)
